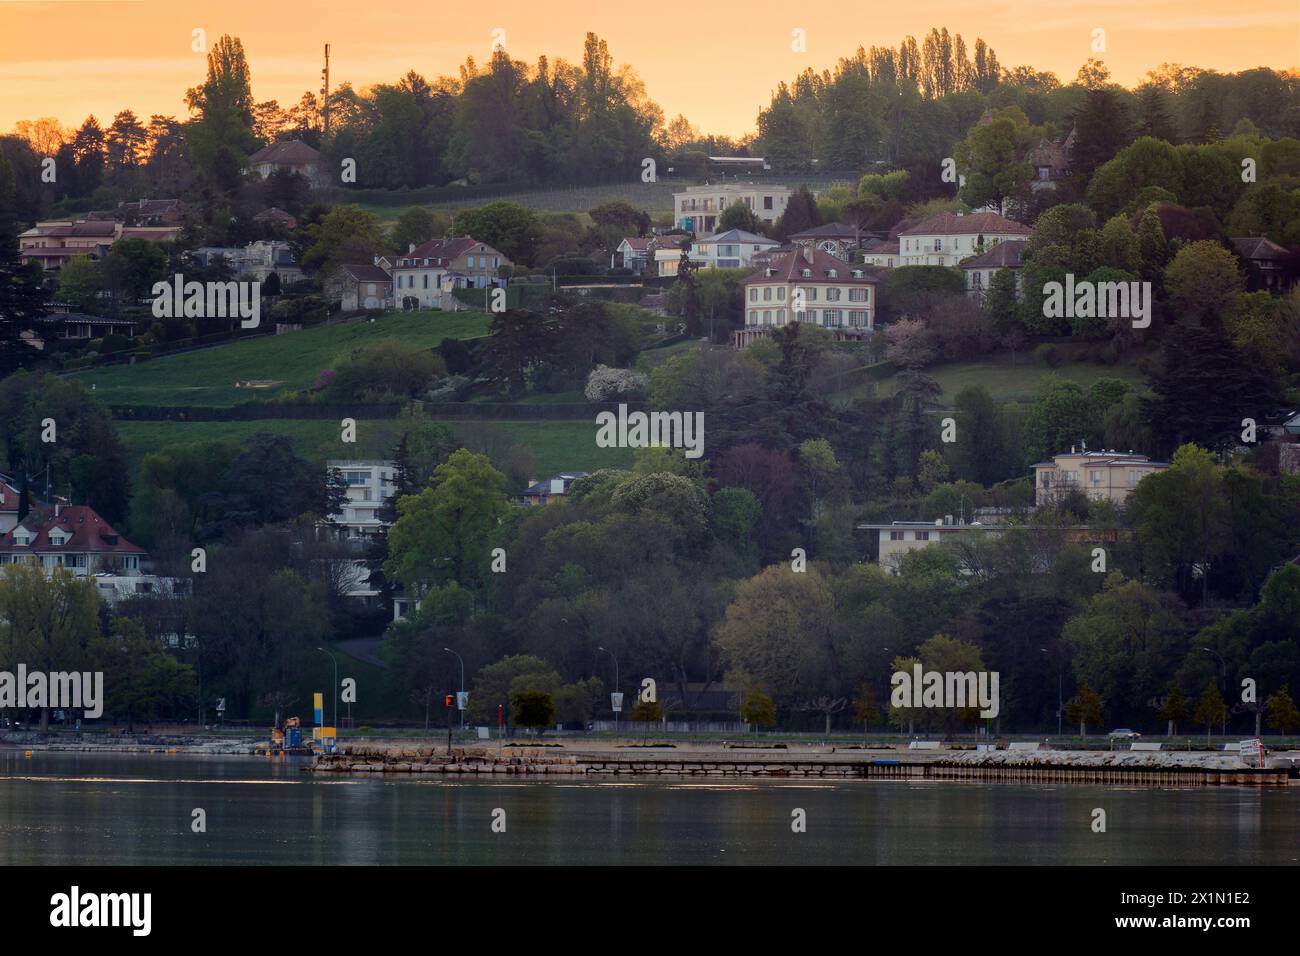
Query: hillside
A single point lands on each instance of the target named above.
(292, 361)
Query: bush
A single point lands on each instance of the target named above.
(114, 343)
(1048, 354)
(606, 384)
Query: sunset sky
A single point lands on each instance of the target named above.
(715, 61)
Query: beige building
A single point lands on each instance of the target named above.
(54, 242)
(950, 237)
(808, 285)
(1101, 475)
(696, 209)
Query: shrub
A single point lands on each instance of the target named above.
(606, 384)
(1048, 354)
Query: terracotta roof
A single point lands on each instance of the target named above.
(637, 243)
(1005, 255)
(89, 534)
(951, 224)
(65, 229)
(880, 247)
(289, 152)
(789, 268)
(443, 251)
(671, 242)
(831, 230)
(367, 273)
(1258, 247)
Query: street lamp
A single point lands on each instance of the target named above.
(1060, 695)
(336, 686)
(462, 685)
(1223, 668)
(615, 656)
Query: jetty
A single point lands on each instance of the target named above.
(1121, 768)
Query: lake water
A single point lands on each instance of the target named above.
(101, 808)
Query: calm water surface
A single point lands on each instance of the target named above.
(100, 808)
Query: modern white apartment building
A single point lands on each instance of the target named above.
(733, 249)
(696, 208)
(369, 485)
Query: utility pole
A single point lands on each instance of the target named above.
(325, 94)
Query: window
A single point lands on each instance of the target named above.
(753, 295)
(858, 319)
(426, 280)
(767, 294)
(834, 318)
(767, 316)
(780, 294)
(858, 295)
(923, 536)
(356, 477)
(1096, 476)
(767, 202)
(833, 294)
(780, 316)
(938, 245)
(897, 535)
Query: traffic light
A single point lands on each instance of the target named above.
(451, 700)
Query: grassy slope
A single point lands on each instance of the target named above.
(207, 377)
(1018, 382)
(556, 446)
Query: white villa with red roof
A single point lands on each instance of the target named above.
(424, 275)
(949, 237)
(808, 285)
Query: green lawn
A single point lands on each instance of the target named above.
(1018, 382)
(291, 361)
(556, 446)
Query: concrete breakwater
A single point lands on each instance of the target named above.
(1130, 769)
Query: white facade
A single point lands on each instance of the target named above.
(369, 485)
(697, 208)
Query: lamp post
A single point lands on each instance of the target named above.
(1060, 694)
(462, 684)
(336, 686)
(1223, 669)
(615, 656)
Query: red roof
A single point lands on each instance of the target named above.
(823, 267)
(88, 534)
(291, 152)
(951, 224)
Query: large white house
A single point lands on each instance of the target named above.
(1101, 475)
(808, 285)
(950, 237)
(696, 208)
(369, 484)
(733, 249)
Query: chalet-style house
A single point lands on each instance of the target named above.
(425, 275)
(54, 242)
(632, 253)
(949, 237)
(1101, 475)
(835, 238)
(1265, 262)
(808, 285)
(362, 287)
(696, 208)
(290, 155)
(979, 270)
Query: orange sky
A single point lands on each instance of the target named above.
(716, 61)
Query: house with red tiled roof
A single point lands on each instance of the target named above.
(289, 155)
(949, 237)
(9, 497)
(362, 287)
(1051, 161)
(979, 270)
(808, 285)
(424, 275)
(70, 536)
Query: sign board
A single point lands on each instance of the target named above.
(462, 699)
(221, 705)
(484, 733)
(616, 702)
(1252, 750)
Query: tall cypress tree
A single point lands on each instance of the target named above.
(21, 296)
